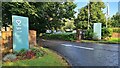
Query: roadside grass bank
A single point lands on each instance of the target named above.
(72, 37)
(110, 41)
(50, 59)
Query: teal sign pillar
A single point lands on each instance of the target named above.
(97, 30)
(20, 33)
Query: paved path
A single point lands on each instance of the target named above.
(86, 54)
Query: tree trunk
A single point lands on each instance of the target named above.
(78, 35)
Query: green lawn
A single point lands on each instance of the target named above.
(112, 40)
(50, 59)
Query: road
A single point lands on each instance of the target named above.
(85, 54)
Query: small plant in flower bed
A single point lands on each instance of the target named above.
(29, 54)
(24, 54)
(9, 57)
(38, 52)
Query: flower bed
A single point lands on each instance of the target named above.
(50, 58)
(23, 54)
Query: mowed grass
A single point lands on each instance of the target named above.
(114, 40)
(50, 59)
(111, 40)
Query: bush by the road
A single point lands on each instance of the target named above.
(116, 30)
(89, 34)
(106, 32)
(63, 36)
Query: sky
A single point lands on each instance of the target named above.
(113, 7)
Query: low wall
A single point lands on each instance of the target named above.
(7, 40)
(116, 35)
(32, 38)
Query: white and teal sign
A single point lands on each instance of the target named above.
(20, 32)
(97, 30)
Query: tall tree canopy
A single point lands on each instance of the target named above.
(69, 24)
(42, 15)
(116, 20)
(95, 15)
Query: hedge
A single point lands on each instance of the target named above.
(116, 30)
(65, 36)
(106, 32)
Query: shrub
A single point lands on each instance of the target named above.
(29, 54)
(89, 34)
(116, 30)
(95, 37)
(25, 54)
(38, 52)
(106, 32)
(22, 52)
(64, 36)
(9, 57)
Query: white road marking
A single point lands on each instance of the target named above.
(69, 45)
(84, 47)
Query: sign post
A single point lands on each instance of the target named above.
(20, 33)
(97, 30)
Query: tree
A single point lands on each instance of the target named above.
(69, 24)
(95, 15)
(17, 8)
(59, 12)
(115, 20)
(0, 14)
(42, 15)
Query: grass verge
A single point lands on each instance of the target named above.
(50, 59)
(110, 41)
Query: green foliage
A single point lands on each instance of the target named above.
(22, 52)
(51, 59)
(117, 40)
(29, 54)
(89, 34)
(116, 20)
(109, 41)
(81, 24)
(38, 52)
(116, 30)
(69, 24)
(42, 15)
(106, 32)
(95, 15)
(67, 37)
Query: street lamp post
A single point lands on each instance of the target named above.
(88, 15)
(107, 14)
